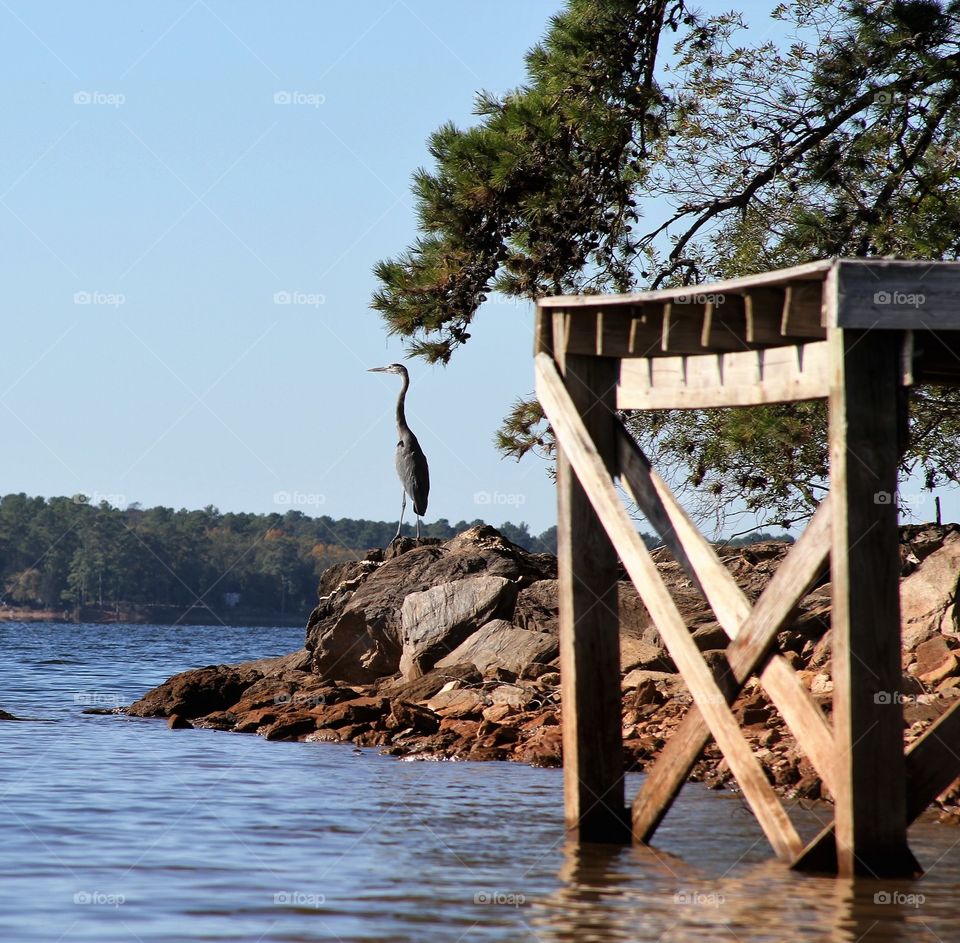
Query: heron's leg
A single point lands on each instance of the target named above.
(403, 507)
(418, 527)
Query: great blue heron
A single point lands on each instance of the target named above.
(411, 462)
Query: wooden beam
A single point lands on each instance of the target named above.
(932, 764)
(936, 357)
(803, 310)
(885, 293)
(729, 285)
(869, 791)
(724, 324)
(764, 308)
(542, 332)
(733, 609)
(746, 378)
(594, 475)
(776, 605)
(683, 327)
(589, 621)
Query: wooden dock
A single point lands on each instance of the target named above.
(858, 333)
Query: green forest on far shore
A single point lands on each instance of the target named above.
(66, 554)
(96, 561)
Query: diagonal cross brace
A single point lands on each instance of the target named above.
(932, 764)
(755, 631)
(597, 483)
(775, 606)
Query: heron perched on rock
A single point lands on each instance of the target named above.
(411, 462)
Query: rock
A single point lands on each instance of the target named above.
(498, 713)
(646, 692)
(424, 687)
(634, 618)
(465, 702)
(935, 660)
(667, 684)
(355, 633)
(347, 576)
(637, 653)
(813, 620)
(927, 593)
(196, 692)
(273, 667)
(218, 720)
(436, 621)
(345, 685)
(176, 722)
(404, 716)
(292, 727)
(949, 686)
(821, 684)
(544, 747)
(537, 608)
(822, 652)
(357, 711)
(499, 644)
(361, 639)
(251, 721)
(710, 637)
(517, 696)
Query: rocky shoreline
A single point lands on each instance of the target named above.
(450, 651)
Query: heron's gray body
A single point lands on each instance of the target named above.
(411, 463)
(413, 471)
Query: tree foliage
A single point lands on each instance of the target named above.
(65, 551)
(651, 147)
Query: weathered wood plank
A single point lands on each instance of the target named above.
(731, 606)
(884, 293)
(936, 357)
(776, 605)
(725, 323)
(682, 327)
(731, 285)
(598, 485)
(542, 332)
(869, 789)
(803, 310)
(745, 378)
(589, 622)
(932, 763)
(764, 308)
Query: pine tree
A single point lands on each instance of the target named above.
(841, 142)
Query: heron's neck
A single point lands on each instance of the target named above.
(401, 416)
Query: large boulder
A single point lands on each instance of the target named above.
(355, 633)
(928, 594)
(538, 607)
(196, 692)
(499, 644)
(435, 621)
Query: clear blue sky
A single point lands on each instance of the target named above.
(150, 170)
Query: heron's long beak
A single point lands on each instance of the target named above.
(378, 370)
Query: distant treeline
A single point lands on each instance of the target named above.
(65, 552)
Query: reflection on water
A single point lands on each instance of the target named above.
(620, 894)
(118, 830)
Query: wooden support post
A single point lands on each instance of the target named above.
(932, 763)
(869, 788)
(586, 460)
(589, 624)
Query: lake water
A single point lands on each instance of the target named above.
(118, 829)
